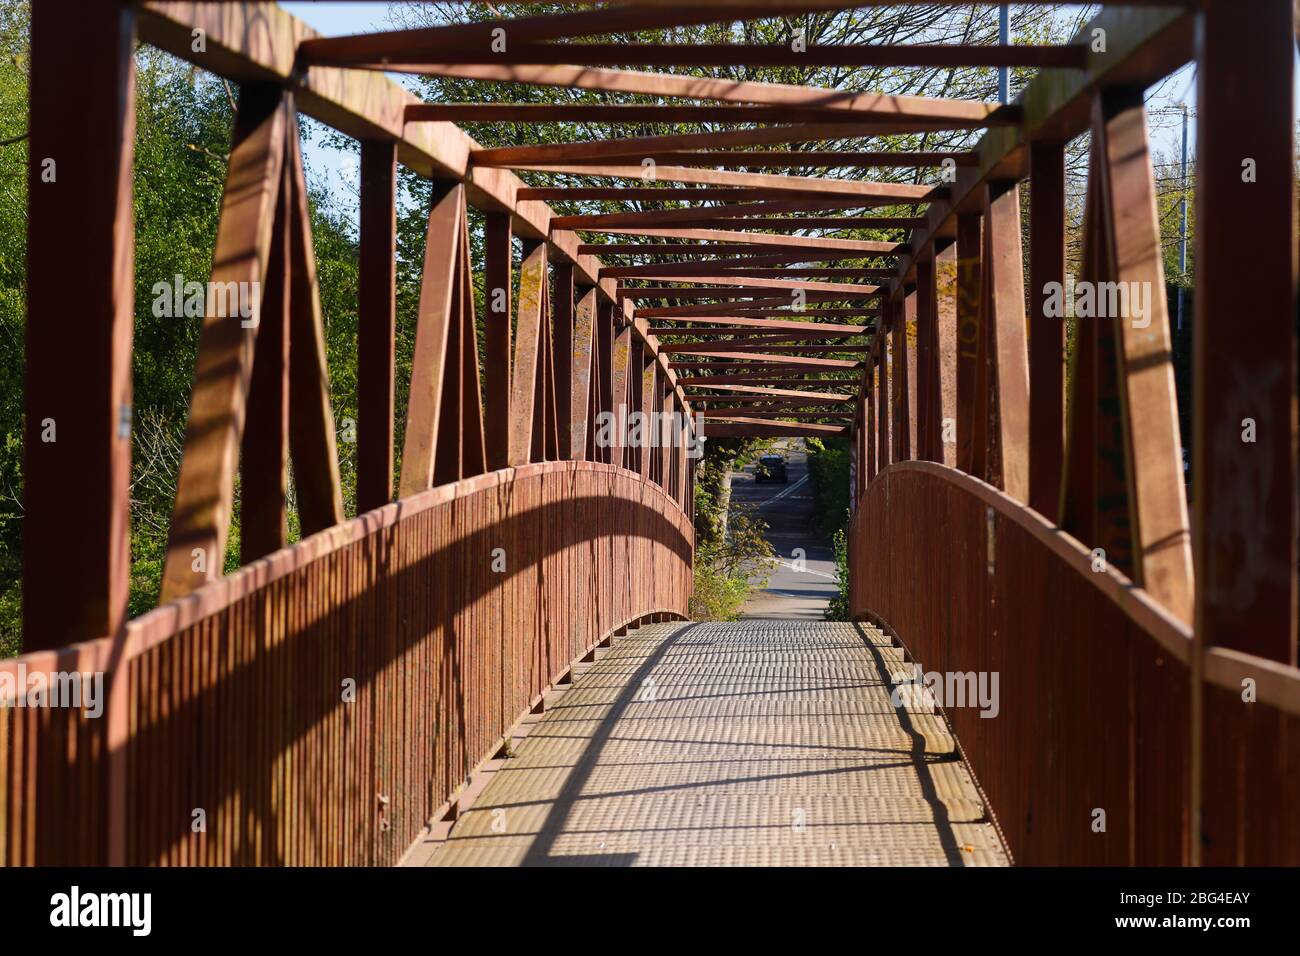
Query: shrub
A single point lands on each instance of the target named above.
(729, 567)
(828, 469)
(839, 609)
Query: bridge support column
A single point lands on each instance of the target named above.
(871, 429)
(902, 382)
(525, 422)
(1007, 367)
(1046, 333)
(578, 428)
(605, 383)
(883, 411)
(622, 358)
(1245, 312)
(264, 444)
(562, 314)
(81, 295)
(498, 258)
(945, 368)
(376, 324)
(647, 407)
(927, 341)
(970, 274)
(1244, 352)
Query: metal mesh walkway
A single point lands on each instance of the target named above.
(751, 743)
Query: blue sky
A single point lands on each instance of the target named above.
(336, 169)
(335, 18)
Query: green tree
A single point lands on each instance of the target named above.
(183, 123)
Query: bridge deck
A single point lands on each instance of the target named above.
(751, 743)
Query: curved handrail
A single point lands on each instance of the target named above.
(1097, 684)
(158, 624)
(392, 648)
(1174, 635)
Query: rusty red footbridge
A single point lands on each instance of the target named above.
(492, 660)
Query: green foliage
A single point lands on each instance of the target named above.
(838, 608)
(828, 470)
(728, 568)
(183, 122)
(732, 558)
(712, 491)
(715, 597)
(15, 20)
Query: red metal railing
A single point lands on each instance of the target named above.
(231, 701)
(1250, 761)
(1094, 680)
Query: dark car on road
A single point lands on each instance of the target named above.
(771, 468)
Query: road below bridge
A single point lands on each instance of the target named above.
(804, 582)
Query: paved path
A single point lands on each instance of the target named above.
(747, 743)
(804, 582)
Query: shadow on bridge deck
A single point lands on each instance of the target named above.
(749, 743)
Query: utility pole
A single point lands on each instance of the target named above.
(1004, 74)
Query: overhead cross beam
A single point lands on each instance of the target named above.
(809, 330)
(760, 428)
(861, 246)
(643, 147)
(752, 210)
(755, 391)
(820, 254)
(742, 310)
(607, 222)
(741, 346)
(762, 357)
(725, 292)
(777, 413)
(857, 200)
(795, 185)
(789, 159)
(754, 364)
(787, 378)
(741, 266)
(462, 38)
(731, 287)
(618, 113)
(950, 55)
(764, 324)
(941, 114)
